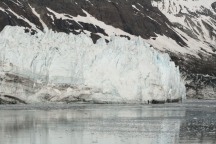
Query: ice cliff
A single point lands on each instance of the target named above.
(61, 67)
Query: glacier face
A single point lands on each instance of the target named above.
(58, 67)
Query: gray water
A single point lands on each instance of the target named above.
(190, 122)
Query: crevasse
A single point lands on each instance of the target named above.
(58, 67)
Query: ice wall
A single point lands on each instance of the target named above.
(60, 67)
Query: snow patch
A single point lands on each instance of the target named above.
(22, 18)
(135, 7)
(110, 30)
(38, 15)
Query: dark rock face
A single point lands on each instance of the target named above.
(214, 6)
(199, 75)
(136, 17)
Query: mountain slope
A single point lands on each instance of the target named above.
(195, 21)
(75, 16)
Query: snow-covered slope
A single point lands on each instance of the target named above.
(60, 67)
(194, 20)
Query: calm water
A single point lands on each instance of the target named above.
(191, 122)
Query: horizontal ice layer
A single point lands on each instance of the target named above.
(60, 67)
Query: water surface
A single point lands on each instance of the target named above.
(191, 122)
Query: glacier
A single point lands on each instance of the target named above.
(59, 67)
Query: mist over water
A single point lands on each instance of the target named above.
(108, 124)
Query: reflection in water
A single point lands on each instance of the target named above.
(103, 124)
(199, 126)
